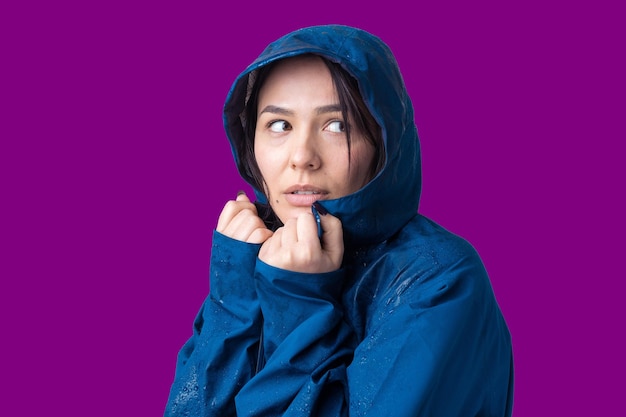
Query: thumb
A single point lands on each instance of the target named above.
(241, 196)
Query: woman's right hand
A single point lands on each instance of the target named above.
(240, 220)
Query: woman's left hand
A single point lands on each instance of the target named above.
(297, 247)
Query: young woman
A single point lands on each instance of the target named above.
(330, 295)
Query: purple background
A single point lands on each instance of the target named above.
(114, 167)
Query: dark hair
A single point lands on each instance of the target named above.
(353, 109)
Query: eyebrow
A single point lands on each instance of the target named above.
(331, 108)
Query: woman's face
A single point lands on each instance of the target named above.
(300, 143)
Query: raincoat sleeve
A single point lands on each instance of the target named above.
(307, 346)
(433, 346)
(221, 355)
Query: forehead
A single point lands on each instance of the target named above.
(299, 61)
(298, 72)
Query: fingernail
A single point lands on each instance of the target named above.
(321, 210)
(240, 192)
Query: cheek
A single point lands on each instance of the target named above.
(260, 156)
(268, 163)
(362, 160)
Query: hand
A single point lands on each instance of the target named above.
(240, 220)
(297, 247)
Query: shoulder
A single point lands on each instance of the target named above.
(423, 245)
(422, 234)
(423, 275)
(429, 261)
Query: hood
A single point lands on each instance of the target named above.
(388, 201)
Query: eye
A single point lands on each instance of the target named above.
(336, 126)
(279, 126)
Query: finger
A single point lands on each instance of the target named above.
(307, 229)
(259, 235)
(241, 226)
(271, 246)
(332, 238)
(239, 220)
(232, 208)
(289, 235)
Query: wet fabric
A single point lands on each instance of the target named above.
(409, 326)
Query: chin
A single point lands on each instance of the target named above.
(292, 213)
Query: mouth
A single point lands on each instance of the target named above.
(304, 195)
(304, 192)
(304, 189)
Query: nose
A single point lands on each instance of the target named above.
(304, 152)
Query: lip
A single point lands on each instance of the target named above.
(310, 195)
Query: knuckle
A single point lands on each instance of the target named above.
(230, 204)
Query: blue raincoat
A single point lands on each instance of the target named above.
(409, 326)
